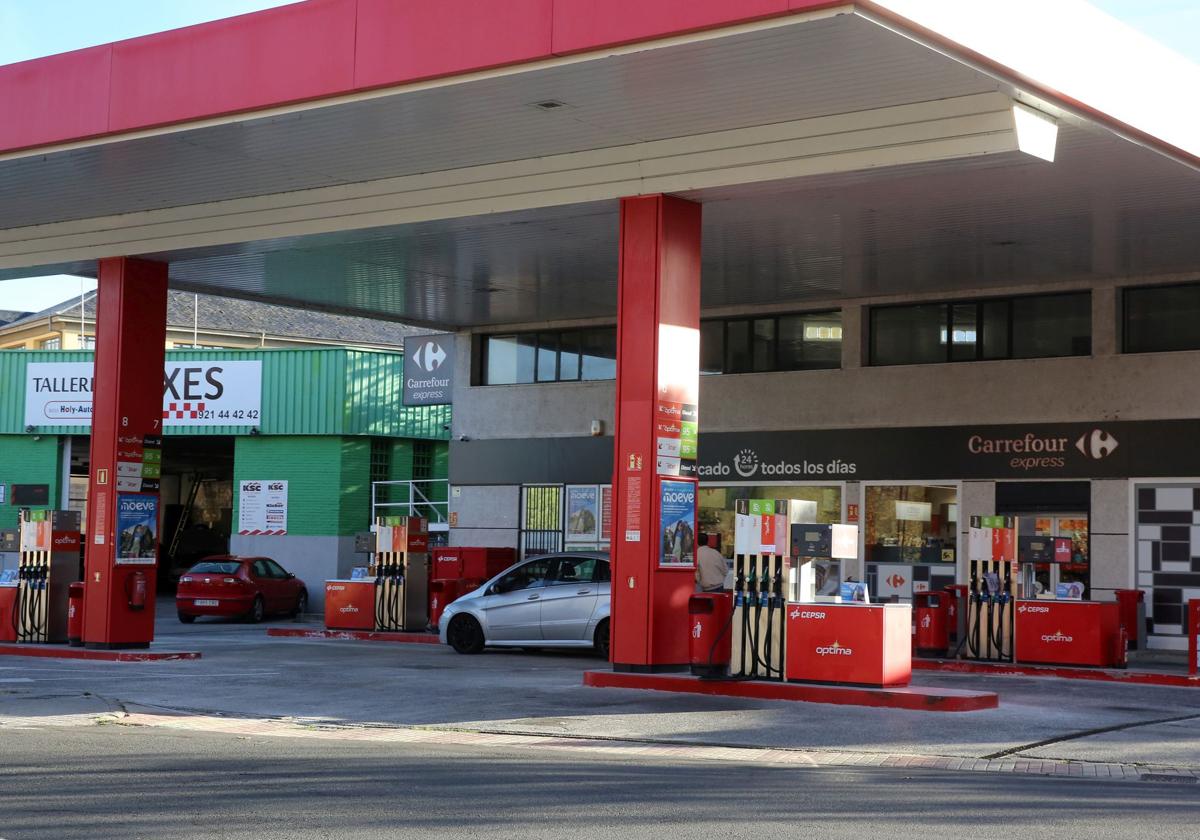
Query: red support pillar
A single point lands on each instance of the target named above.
(654, 471)
(120, 555)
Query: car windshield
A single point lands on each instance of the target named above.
(216, 567)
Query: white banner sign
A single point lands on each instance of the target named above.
(195, 393)
(262, 508)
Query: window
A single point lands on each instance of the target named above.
(51, 344)
(575, 570)
(809, 341)
(87, 342)
(276, 571)
(422, 460)
(1039, 326)
(1161, 318)
(531, 575)
(911, 524)
(565, 356)
(381, 460)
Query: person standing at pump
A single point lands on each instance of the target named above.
(711, 568)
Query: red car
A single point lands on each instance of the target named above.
(239, 586)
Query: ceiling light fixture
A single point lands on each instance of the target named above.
(1037, 133)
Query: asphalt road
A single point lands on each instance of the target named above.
(118, 783)
(248, 675)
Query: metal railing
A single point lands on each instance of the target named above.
(428, 498)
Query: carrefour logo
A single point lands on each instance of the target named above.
(429, 356)
(834, 649)
(1096, 444)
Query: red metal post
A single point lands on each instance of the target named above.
(127, 391)
(658, 364)
(1194, 636)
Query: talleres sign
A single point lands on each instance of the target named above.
(429, 369)
(195, 393)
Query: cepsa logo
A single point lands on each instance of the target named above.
(799, 613)
(834, 649)
(1027, 608)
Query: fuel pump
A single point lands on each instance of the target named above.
(48, 565)
(401, 573)
(992, 542)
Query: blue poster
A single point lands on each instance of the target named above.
(677, 524)
(137, 529)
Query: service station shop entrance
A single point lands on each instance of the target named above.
(618, 164)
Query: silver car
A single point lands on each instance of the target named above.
(557, 600)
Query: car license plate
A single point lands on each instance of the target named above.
(206, 602)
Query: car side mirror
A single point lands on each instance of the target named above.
(290, 575)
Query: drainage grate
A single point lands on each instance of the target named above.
(1169, 777)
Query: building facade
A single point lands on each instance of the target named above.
(326, 424)
(1065, 404)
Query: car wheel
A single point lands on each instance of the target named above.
(256, 612)
(600, 639)
(186, 619)
(465, 635)
(301, 604)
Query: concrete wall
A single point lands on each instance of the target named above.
(486, 516)
(312, 559)
(1111, 519)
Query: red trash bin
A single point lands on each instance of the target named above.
(956, 612)
(930, 612)
(1131, 606)
(75, 614)
(709, 647)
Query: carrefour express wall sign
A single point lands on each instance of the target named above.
(195, 393)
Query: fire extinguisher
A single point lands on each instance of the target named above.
(135, 589)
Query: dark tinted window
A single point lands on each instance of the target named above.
(531, 575)
(1052, 325)
(603, 572)
(550, 356)
(908, 335)
(598, 349)
(1162, 318)
(261, 570)
(1014, 328)
(712, 346)
(222, 567)
(809, 341)
(275, 569)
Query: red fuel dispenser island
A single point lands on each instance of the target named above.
(456, 571)
(394, 596)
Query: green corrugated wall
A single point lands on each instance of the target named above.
(329, 493)
(335, 391)
(24, 460)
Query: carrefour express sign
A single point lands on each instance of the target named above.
(195, 393)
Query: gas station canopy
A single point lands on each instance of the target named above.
(459, 164)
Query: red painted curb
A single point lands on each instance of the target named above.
(916, 698)
(57, 652)
(1002, 669)
(355, 635)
